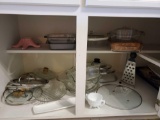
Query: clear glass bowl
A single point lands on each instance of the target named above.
(92, 73)
(52, 91)
(70, 83)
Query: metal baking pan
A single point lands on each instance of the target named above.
(60, 35)
(61, 40)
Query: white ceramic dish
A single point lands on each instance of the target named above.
(53, 106)
(95, 100)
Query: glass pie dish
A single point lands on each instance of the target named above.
(52, 91)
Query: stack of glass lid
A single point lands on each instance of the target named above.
(120, 97)
(106, 71)
(30, 88)
(54, 90)
(92, 78)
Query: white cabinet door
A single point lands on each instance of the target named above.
(43, 2)
(124, 3)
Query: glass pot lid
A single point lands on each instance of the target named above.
(18, 97)
(45, 73)
(120, 97)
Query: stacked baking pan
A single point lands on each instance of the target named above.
(126, 39)
(61, 41)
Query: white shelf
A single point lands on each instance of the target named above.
(155, 59)
(43, 49)
(145, 109)
(104, 49)
(25, 112)
(151, 48)
(124, 3)
(42, 2)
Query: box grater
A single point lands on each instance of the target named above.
(129, 71)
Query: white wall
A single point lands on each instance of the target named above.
(150, 26)
(38, 26)
(115, 60)
(55, 62)
(10, 64)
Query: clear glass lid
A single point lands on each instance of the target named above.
(52, 91)
(120, 97)
(45, 73)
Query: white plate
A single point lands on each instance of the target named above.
(52, 106)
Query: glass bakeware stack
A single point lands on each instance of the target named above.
(61, 41)
(92, 78)
(54, 90)
(126, 39)
(30, 89)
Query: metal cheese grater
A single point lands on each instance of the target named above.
(129, 71)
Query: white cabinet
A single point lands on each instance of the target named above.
(42, 2)
(30, 19)
(124, 3)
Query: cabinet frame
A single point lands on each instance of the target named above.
(123, 3)
(82, 15)
(41, 2)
